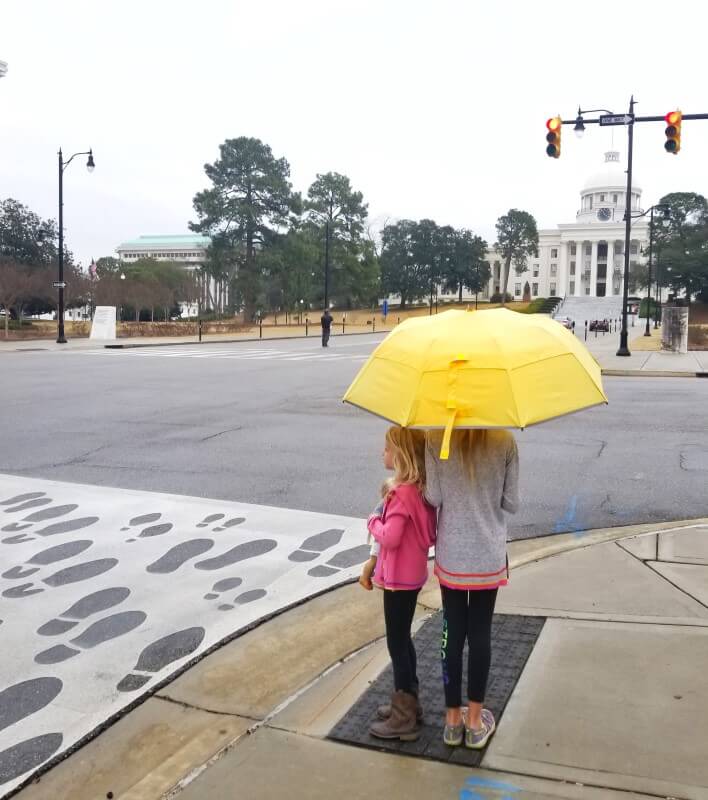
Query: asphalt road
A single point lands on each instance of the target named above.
(263, 423)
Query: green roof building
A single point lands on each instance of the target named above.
(189, 248)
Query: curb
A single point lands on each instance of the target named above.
(537, 548)
(652, 373)
(230, 341)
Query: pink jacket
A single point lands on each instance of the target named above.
(405, 531)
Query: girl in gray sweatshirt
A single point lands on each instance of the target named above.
(473, 491)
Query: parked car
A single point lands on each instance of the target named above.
(566, 322)
(600, 325)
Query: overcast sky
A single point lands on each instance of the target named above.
(433, 109)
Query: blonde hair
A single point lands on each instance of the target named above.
(469, 441)
(408, 450)
(466, 441)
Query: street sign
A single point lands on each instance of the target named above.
(59, 284)
(615, 119)
(384, 308)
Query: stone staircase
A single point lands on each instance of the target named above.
(590, 308)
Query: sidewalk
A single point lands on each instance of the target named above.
(643, 361)
(271, 333)
(611, 703)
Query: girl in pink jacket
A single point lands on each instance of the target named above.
(404, 529)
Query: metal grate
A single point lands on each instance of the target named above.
(513, 639)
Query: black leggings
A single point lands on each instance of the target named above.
(466, 614)
(399, 608)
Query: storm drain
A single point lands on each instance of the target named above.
(513, 639)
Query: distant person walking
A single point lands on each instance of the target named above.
(326, 322)
(473, 491)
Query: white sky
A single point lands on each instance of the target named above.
(433, 108)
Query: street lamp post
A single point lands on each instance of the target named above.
(122, 277)
(658, 291)
(326, 270)
(61, 339)
(665, 210)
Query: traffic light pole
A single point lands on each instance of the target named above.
(623, 347)
(629, 120)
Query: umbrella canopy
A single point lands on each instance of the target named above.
(486, 369)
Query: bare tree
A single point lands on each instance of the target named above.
(17, 285)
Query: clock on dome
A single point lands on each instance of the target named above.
(603, 214)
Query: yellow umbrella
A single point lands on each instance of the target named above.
(486, 369)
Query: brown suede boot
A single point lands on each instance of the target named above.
(384, 711)
(402, 723)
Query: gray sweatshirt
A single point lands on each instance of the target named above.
(472, 496)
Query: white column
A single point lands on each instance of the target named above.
(609, 281)
(575, 278)
(563, 269)
(593, 271)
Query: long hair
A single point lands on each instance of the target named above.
(469, 441)
(408, 450)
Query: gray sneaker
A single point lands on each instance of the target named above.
(476, 740)
(454, 734)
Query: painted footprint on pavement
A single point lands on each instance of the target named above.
(178, 555)
(241, 552)
(230, 523)
(22, 498)
(159, 654)
(151, 530)
(66, 526)
(37, 516)
(224, 585)
(103, 630)
(246, 597)
(91, 604)
(315, 545)
(23, 699)
(347, 558)
(27, 755)
(208, 520)
(73, 574)
(222, 526)
(18, 702)
(23, 502)
(48, 556)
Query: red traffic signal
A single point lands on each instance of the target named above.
(553, 137)
(673, 132)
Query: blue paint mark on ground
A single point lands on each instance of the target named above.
(486, 789)
(568, 522)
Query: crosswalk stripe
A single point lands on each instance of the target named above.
(251, 354)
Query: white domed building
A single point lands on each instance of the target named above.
(584, 258)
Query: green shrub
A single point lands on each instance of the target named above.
(653, 305)
(497, 298)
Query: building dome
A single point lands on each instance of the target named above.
(611, 176)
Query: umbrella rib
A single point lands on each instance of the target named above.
(373, 413)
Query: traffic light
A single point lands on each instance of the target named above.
(553, 137)
(673, 132)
